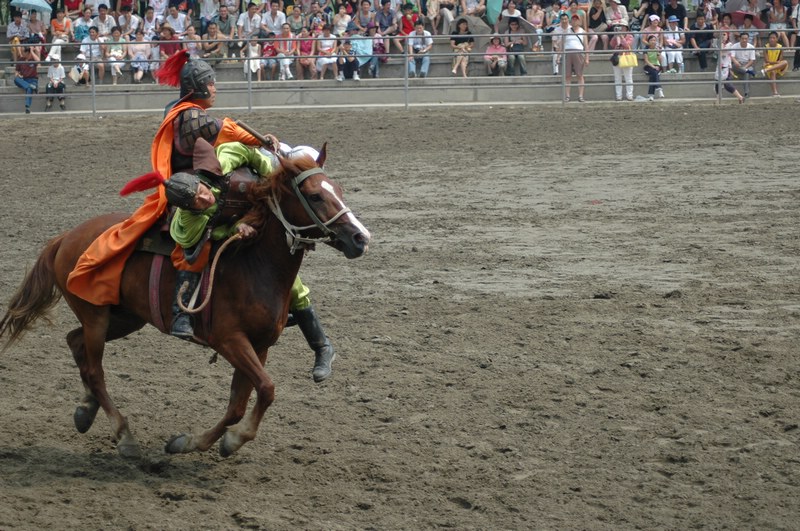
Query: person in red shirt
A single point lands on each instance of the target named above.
(26, 76)
(168, 44)
(407, 23)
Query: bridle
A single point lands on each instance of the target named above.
(294, 239)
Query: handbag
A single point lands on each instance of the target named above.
(628, 60)
(615, 59)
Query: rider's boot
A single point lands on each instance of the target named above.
(182, 322)
(309, 324)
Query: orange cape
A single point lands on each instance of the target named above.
(98, 273)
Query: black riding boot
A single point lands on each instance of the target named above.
(182, 323)
(309, 323)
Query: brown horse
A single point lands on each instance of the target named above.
(300, 205)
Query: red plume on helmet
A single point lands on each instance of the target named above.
(144, 182)
(170, 71)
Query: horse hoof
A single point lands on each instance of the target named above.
(84, 418)
(179, 444)
(229, 444)
(129, 450)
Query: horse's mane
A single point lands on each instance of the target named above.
(275, 185)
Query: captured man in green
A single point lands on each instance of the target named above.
(196, 197)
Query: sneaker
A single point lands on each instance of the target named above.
(340, 77)
(289, 74)
(649, 98)
(751, 72)
(282, 77)
(763, 73)
(27, 110)
(660, 93)
(356, 77)
(672, 71)
(63, 106)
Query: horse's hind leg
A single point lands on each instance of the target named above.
(87, 344)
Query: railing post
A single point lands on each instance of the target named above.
(405, 70)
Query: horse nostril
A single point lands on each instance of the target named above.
(361, 238)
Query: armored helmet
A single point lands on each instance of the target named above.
(181, 189)
(196, 75)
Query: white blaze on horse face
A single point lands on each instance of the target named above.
(354, 220)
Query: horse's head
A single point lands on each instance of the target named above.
(309, 204)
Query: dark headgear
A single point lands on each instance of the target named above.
(181, 189)
(196, 75)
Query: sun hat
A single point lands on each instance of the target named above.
(654, 17)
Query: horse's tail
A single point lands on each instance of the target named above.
(37, 294)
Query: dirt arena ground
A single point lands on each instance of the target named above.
(580, 318)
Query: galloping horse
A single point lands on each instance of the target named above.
(299, 205)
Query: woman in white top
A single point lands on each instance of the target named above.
(576, 57)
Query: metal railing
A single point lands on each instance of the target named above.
(407, 86)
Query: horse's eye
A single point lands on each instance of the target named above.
(316, 197)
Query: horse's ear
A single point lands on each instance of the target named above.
(323, 154)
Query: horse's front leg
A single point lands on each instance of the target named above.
(248, 373)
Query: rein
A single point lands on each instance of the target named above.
(185, 285)
(294, 239)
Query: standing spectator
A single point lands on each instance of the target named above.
(348, 62)
(517, 45)
(55, 82)
(674, 39)
(272, 20)
(461, 42)
(327, 49)
(209, 10)
(139, 54)
(26, 76)
(495, 57)
(177, 21)
(213, 47)
(115, 53)
(724, 74)
(743, 60)
(306, 49)
(286, 45)
(419, 45)
(537, 18)
(678, 10)
(622, 42)
(576, 59)
(558, 41)
(104, 23)
(701, 37)
(652, 67)
(774, 63)
(249, 24)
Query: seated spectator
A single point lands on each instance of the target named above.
(598, 26)
(226, 29)
(710, 11)
(178, 21)
(104, 23)
(701, 38)
(208, 12)
(509, 12)
(306, 45)
(191, 43)
(386, 19)
(159, 9)
(674, 39)
(537, 18)
(297, 21)
(286, 46)
(73, 9)
(150, 24)
(474, 8)
(169, 43)
(115, 53)
(462, 42)
(233, 6)
(777, 20)
(419, 45)
(364, 46)
(751, 30)
(93, 51)
(55, 82)
(774, 63)
(406, 26)
(80, 71)
(128, 22)
(495, 57)
(616, 14)
(327, 49)
(139, 53)
(517, 44)
(273, 19)
(341, 21)
(677, 10)
(652, 67)
(61, 29)
(447, 13)
(26, 76)
(213, 47)
(254, 62)
(365, 15)
(317, 18)
(249, 24)
(36, 28)
(82, 25)
(348, 63)
(434, 15)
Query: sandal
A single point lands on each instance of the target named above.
(566, 100)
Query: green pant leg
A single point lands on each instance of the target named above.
(300, 299)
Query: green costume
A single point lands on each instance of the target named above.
(188, 226)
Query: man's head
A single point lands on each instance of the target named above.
(743, 38)
(419, 26)
(251, 9)
(274, 6)
(223, 12)
(197, 78)
(102, 9)
(773, 38)
(672, 21)
(17, 16)
(173, 11)
(187, 191)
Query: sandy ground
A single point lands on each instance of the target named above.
(581, 318)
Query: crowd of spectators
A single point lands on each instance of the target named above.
(307, 39)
